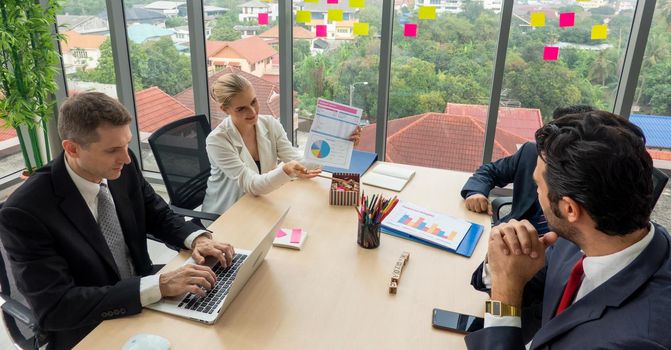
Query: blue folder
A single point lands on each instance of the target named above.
(465, 248)
(360, 162)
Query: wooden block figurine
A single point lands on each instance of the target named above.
(398, 269)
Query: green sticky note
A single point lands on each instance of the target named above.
(356, 4)
(538, 19)
(427, 12)
(303, 17)
(599, 32)
(361, 28)
(335, 15)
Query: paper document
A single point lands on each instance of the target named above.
(328, 142)
(388, 176)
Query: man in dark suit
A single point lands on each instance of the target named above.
(75, 231)
(517, 169)
(601, 275)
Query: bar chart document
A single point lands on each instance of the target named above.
(328, 143)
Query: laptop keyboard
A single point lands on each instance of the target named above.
(212, 299)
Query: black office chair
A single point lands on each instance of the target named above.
(179, 149)
(659, 180)
(19, 320)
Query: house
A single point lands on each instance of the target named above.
(83, 24)
(210, 12)
(592, 4)
(249, 11)
(139, 15)
(139, 33)
(272, 35)
(81, 52)
(442, 6)
(404, 5)
(335, 30)
(167, 8)
(247, 30)
(156, 108)
(492, 5)
(522, 122)
(252, 55)
(267, 93)
(656, 128)
(182, 34)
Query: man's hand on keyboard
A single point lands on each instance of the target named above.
(204, 246)
(191, 278)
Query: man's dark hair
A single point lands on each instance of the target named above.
(562, 111)
(81, 114)
(599, 160)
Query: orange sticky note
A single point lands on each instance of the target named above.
(599, 31)
(335, 15)
(427, 12)
(356, 4)
(537, 19)
(303, 16)
(360, 28)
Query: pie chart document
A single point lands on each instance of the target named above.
(328, 143)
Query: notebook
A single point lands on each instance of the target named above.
(388, 176)
(230, 281)
(360, 162)
(292, 238)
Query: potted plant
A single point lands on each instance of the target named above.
(28, 67)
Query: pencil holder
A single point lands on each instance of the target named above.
(369, 235)
(344, 189)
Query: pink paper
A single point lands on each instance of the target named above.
(296, 235)
(263, 18)
(321, 30)
(566, 19)
(280, 233)
(550, 53)
(410, 29)
(331, 1)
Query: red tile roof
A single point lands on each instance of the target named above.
(155, 108)
(519, 121)
(273, 78)
(253, 49)
(299, 33)
(6, 132)
(659, 154)
(76, 40)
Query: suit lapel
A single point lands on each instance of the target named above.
(125, 213)
(613, 293)
(566, 254)
(236, 140)
(267, 157)
(75, 209)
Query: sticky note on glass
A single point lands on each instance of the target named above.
(321, 30)
(303, 16)
(360, 28)
(410, 29)
(356, 4)
(335, 15)
(263, 18)
(331, 1)
(427, 12)
(551, 53)
(537, 19)
(599, 31)
(310, 0)
(567, 19)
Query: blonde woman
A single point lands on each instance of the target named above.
(245, 148)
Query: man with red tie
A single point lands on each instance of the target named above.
(601, 278)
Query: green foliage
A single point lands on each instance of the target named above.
(27, 70)
(223, 28)
(301, 50)
(175, 21)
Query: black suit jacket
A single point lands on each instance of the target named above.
(631, 310)
(60, 259)
(518, 169)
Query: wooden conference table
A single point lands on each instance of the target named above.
(332, 294)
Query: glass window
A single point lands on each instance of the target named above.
(558, 56)
(651, 110)
(441, 76)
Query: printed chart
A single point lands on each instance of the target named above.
(320, 149)
(328, 143)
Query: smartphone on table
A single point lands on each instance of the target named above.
(456, 322)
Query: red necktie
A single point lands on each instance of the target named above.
(572, 286)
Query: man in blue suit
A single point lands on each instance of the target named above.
(602, 275)
(517, 169)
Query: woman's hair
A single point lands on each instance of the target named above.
(228, 86)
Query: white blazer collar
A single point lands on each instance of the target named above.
(267, 157)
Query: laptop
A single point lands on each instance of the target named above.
(230, 281)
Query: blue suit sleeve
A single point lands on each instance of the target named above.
(499, 173)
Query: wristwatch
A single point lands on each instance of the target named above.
(497, 308)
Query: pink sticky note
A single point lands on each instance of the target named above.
(280, 233)
(263, 18)
(550, 53)
(321, 30)
(296, 235)
(567, 19)
(331, 1)
(410, 29)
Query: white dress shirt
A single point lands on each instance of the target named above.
(150, 291)
(598, 269)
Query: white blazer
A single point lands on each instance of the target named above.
(234, 171)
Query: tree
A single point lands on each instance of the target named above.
(602, 68)
(223, 28)
(166, 67)
(175, 21)
(301, 49)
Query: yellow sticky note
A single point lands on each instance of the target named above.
(427, 12)
(303, 17)
(356, 4)
(360, 28)
(599, 31)
(335, 15)
(538, 19)
(310, 0)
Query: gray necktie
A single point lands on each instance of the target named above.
(111, 229)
